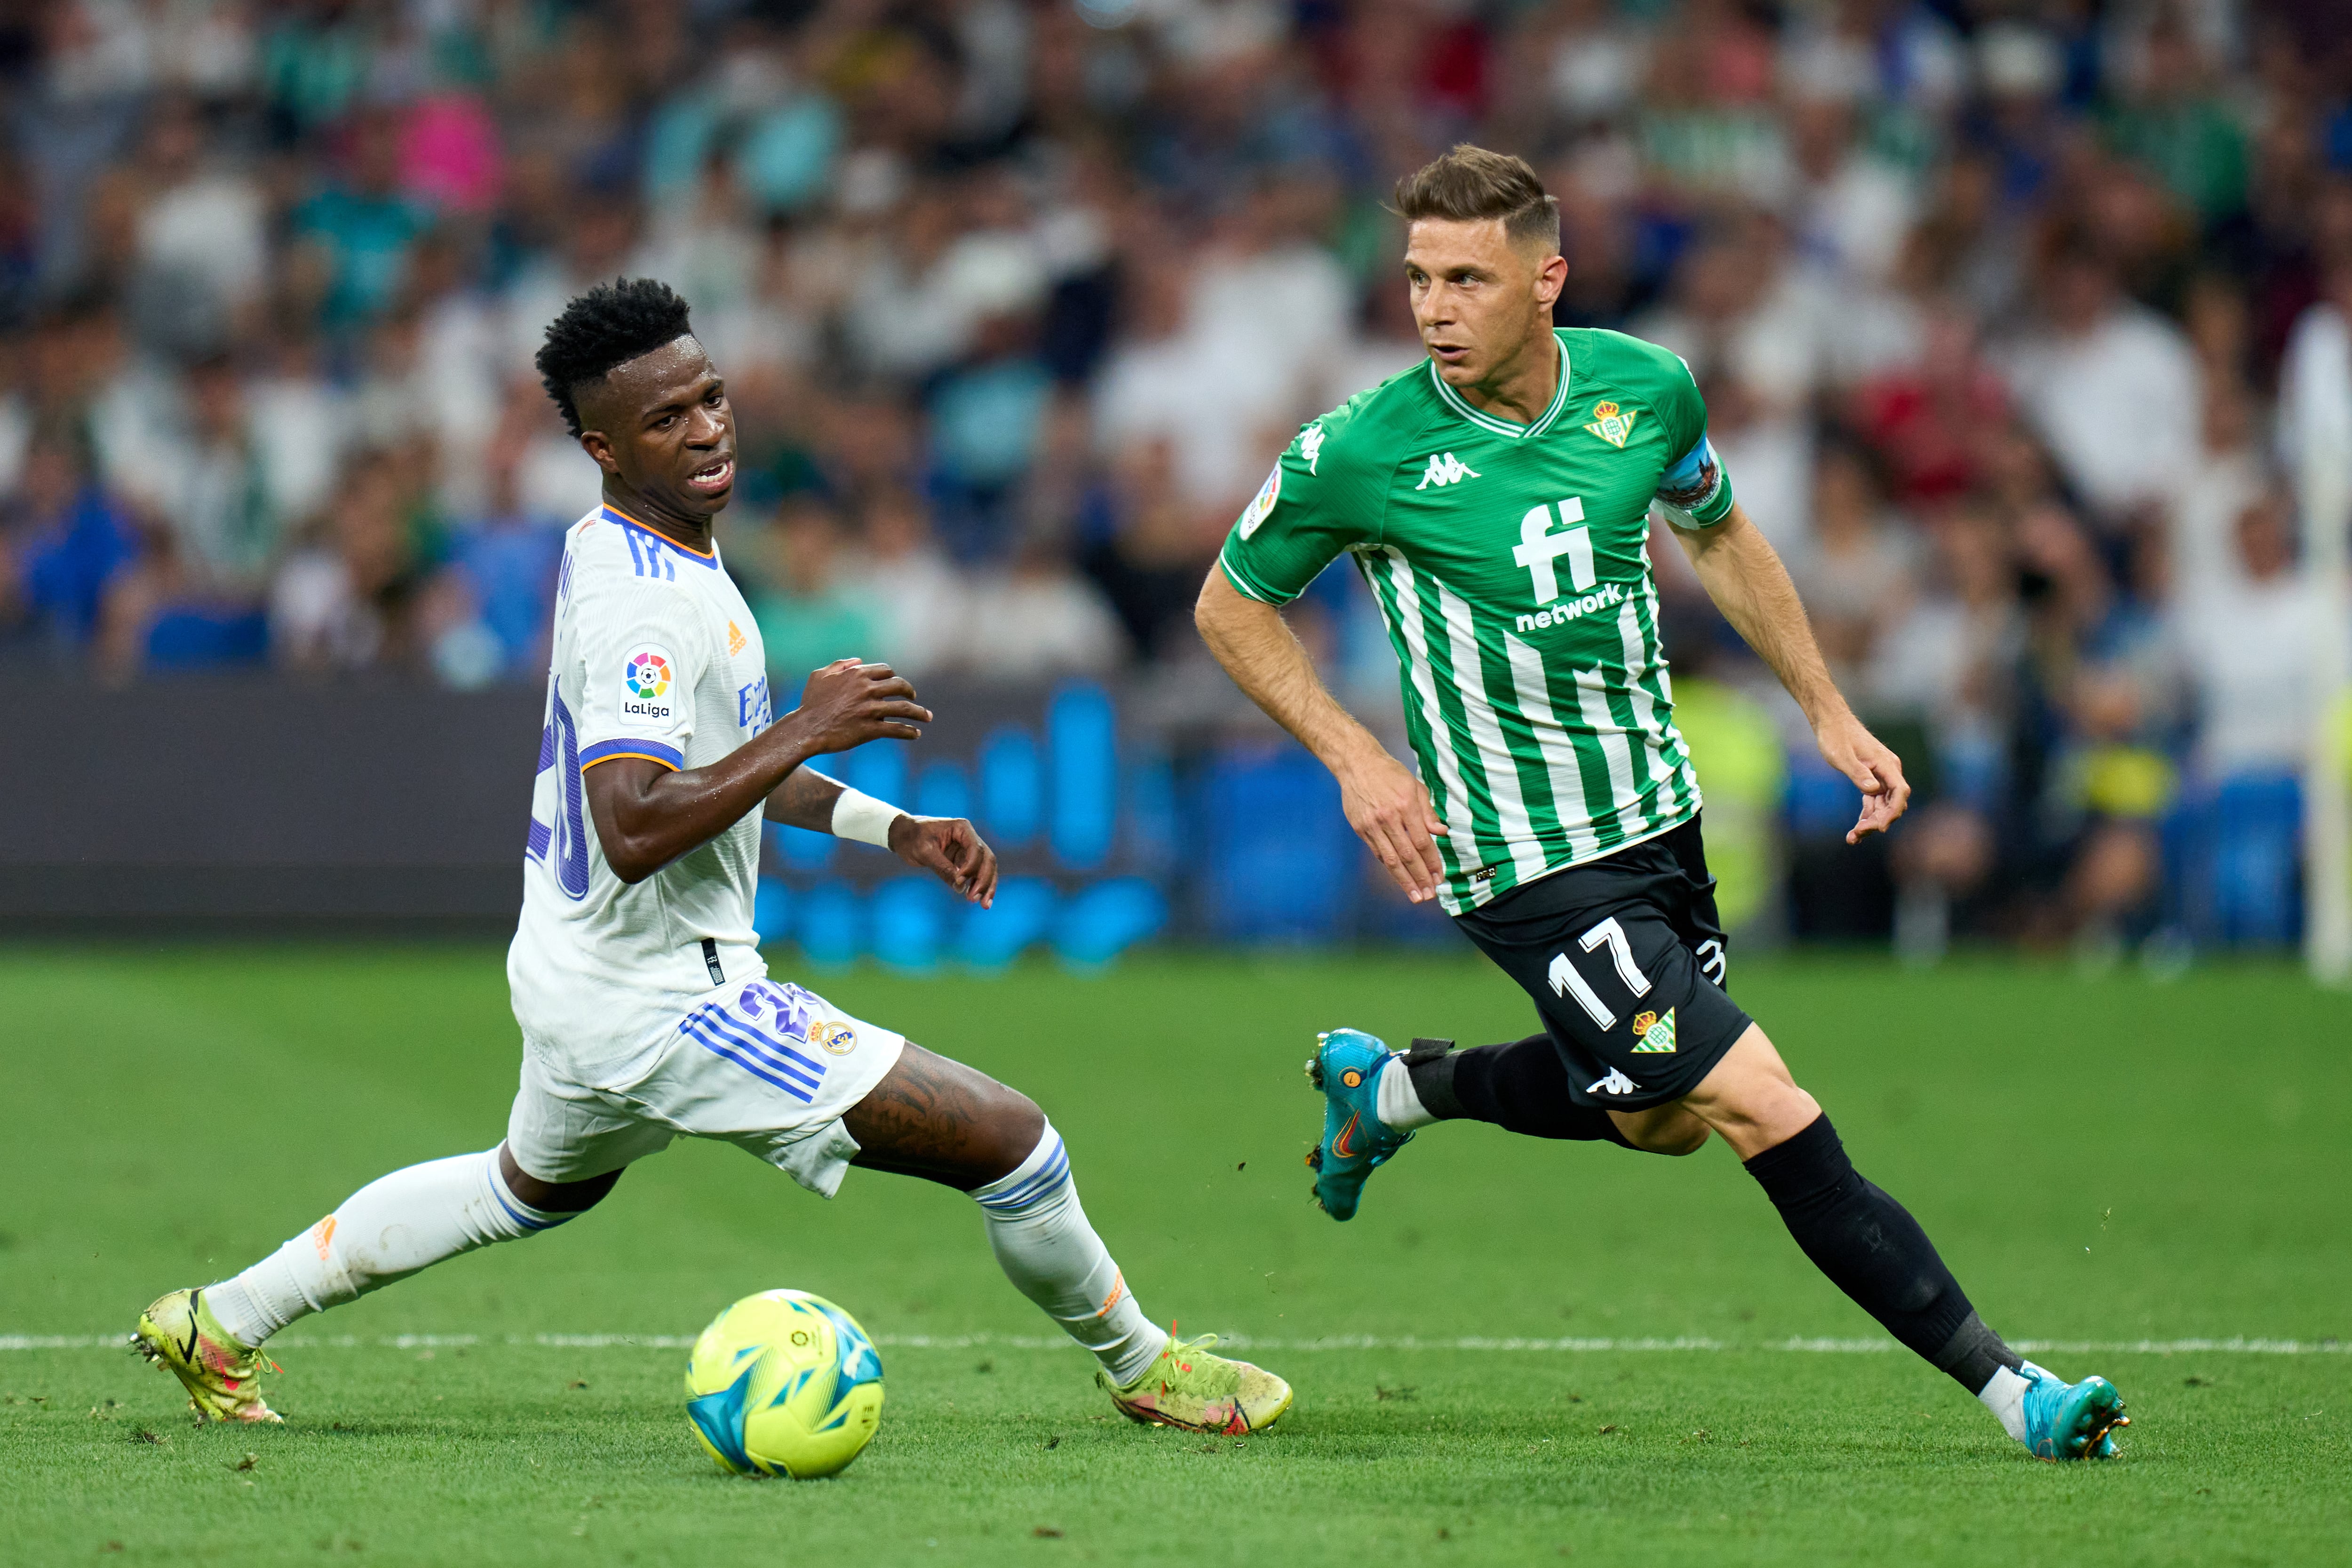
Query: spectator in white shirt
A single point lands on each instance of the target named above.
(2110, 385)
(2253, 649)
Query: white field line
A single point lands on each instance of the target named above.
(2235, 1346)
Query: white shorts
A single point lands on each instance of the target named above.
(763, 1065)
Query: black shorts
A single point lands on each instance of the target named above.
(1625, 959)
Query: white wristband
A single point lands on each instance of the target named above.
(861, 816)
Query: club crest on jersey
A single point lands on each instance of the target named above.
(1654, 1036)
(646, 681)
(1311, 445)
(1445, 468)
(1263, 502)
(1611, 424)
(834, 1035)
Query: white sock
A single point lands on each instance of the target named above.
(387, 1230)
(1398, 1105)
(1042, 1242)
(2004, 1395)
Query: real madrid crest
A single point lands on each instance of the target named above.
(1611, 424)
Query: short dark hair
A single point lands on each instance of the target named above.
(609, 325)
(1470, 183)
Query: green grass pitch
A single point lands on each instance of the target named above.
(2102, 1161)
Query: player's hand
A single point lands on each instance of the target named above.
(1876, 770)
(950, 849)
(1391, 813)
(846, 704)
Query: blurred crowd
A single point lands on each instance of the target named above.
(2007, 314)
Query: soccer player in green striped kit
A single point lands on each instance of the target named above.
(1496, 502)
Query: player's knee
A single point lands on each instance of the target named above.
(1015, 1124)
(1679, 1133)
(1683, 1137)
(555, 1197)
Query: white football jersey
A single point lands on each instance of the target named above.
(656, 656)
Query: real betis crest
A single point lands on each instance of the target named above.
(1614, 425)
(1654, 1036)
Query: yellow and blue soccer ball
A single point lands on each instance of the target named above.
(784, 1384)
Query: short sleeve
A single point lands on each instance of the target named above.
(1693, 490)
(1315, 504)
(641, 648)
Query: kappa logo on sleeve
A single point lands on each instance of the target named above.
(646, 679)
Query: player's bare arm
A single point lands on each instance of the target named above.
(648, 815)
(1384, 801)
(1743, 574)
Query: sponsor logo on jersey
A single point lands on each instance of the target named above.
(1615, 1083)
(736, 641)
(1311, 445)
(832, 1035)
(1603, 598)
(1654, 1036)
(1445, 468)
(1611, 424)
(645, 679)
(1263, 502)
(753, 709)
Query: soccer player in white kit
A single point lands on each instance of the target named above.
(647, 1011)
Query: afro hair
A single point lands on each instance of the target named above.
(609, 325)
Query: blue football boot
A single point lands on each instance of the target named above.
(2070, 1420)
(1346, 1066)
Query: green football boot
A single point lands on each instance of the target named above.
(1189, 1388)
(1346, 1066)
(221, 1375)
(2070, 1420)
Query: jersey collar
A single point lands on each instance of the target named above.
(1507, 429)
(615, 514)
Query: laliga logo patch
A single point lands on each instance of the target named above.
(834, 1035)
(646, 680)
(1263, 502)
(649, 673)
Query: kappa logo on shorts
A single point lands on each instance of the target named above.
(1654, 1036)
(1615, 1083)
(832, 1035)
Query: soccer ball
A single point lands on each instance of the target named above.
(785, 1382)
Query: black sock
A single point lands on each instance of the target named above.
(1521, 1086)
(1873, 1249)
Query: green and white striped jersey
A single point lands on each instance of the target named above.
(1511, 564)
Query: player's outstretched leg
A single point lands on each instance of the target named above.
(940, 1119)
(1873, 1249)
(210, 1337)
(1375, 1098)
